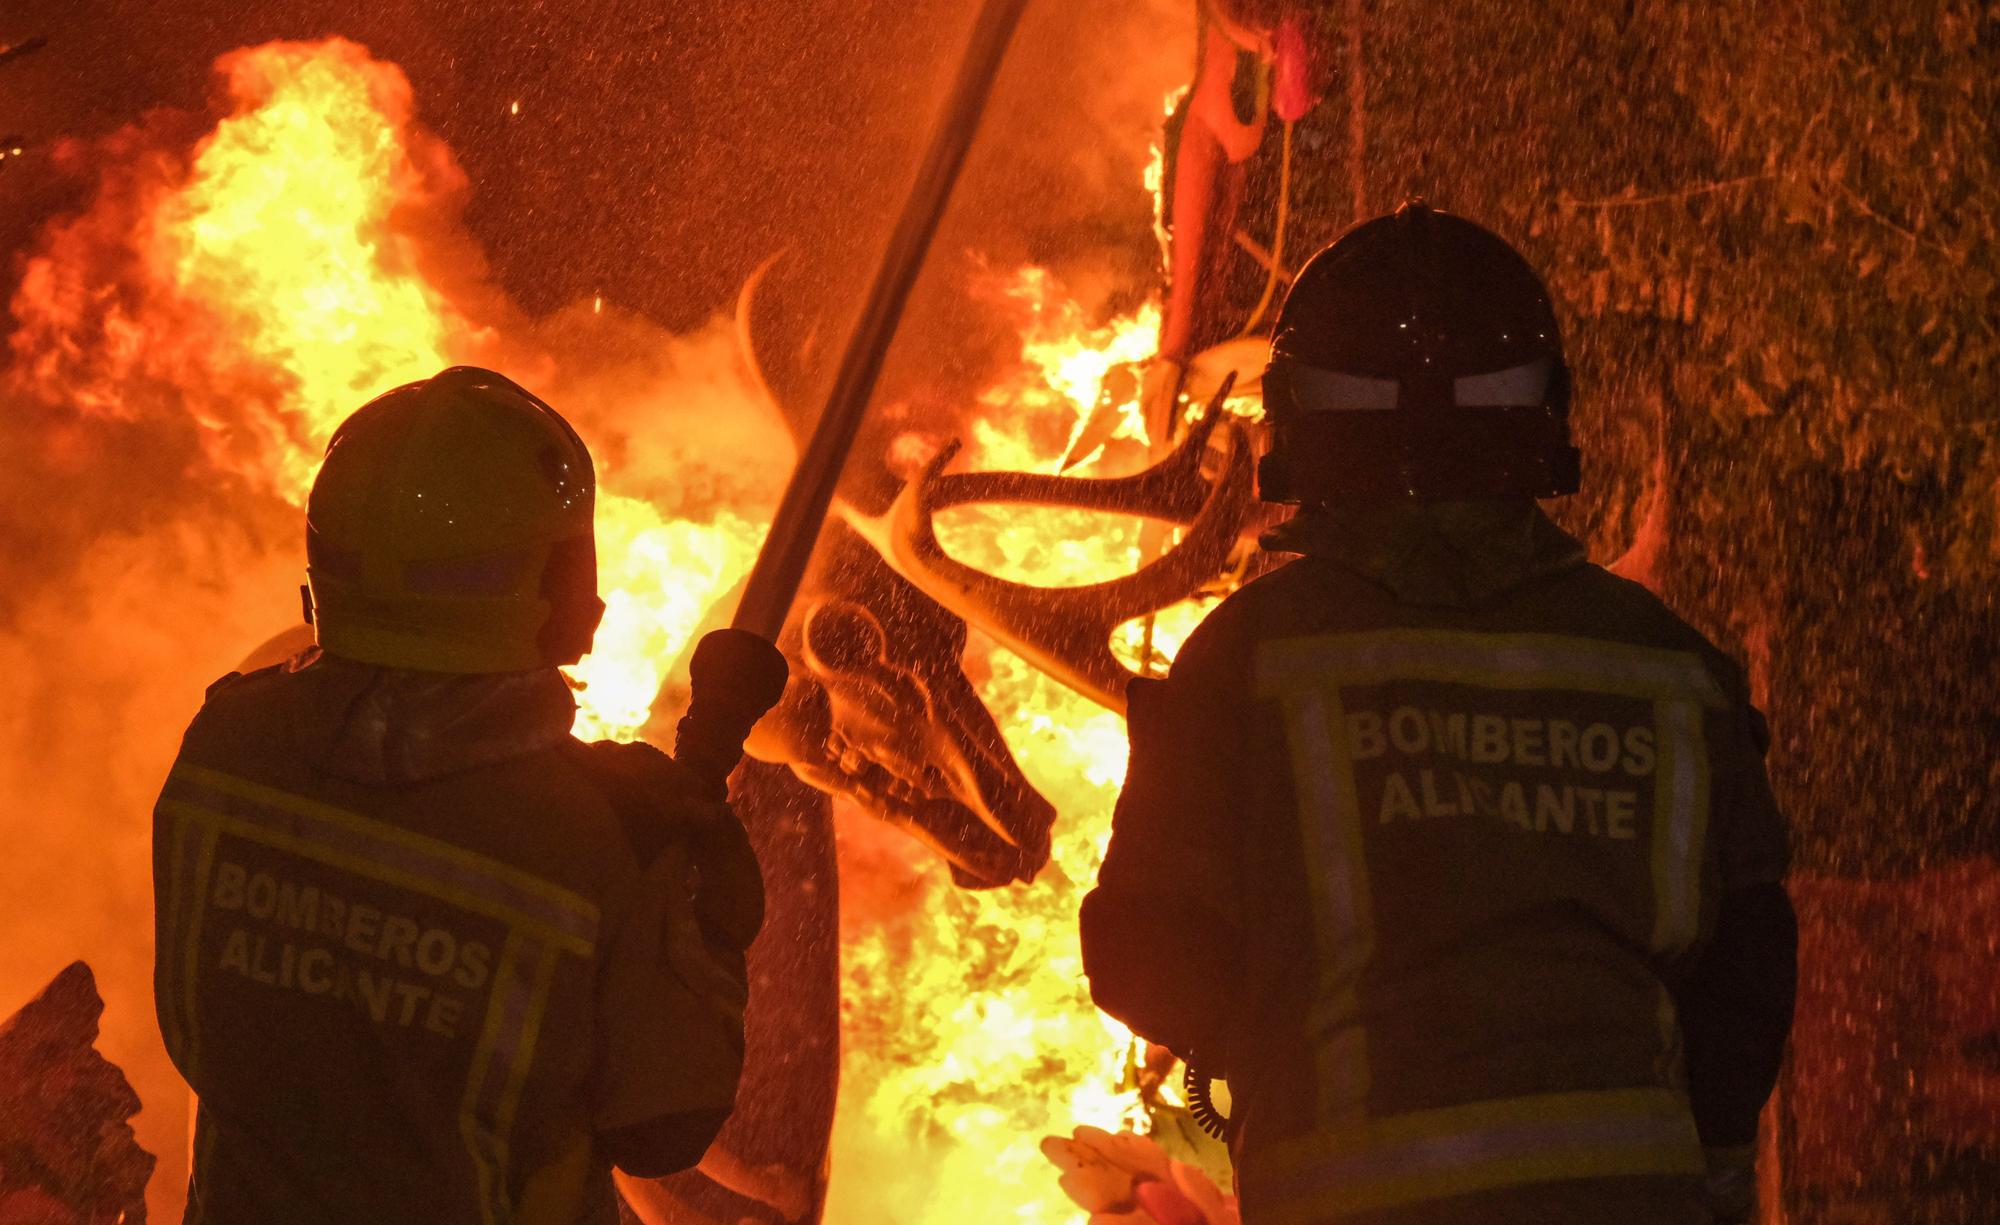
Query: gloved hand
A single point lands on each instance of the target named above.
(1732, 1183)
(735, 677)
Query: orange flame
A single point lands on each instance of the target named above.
(281, 279)
(977, 1031)
(305, 270)
(270, 279)
(283, 272)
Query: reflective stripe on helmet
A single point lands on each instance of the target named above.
(1460, 1150)
(1332, 391)
(1313, 390)
(1515, 387)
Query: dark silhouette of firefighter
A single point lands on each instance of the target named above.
(1454, 853)
(423, 956)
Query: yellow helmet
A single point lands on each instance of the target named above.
(449, 530)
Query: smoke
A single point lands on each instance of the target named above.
(104, 664)
(1057, 179)
(180, 349)
(182, 345)
(136, 570)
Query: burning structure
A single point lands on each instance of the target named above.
(66, 1151)
(293, 251)
(236, 283)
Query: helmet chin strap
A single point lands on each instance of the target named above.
(1274, 482)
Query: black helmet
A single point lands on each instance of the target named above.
(1417, 359)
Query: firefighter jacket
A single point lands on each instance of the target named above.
(424, 957)
(1421, 838)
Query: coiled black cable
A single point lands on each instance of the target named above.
(1201, 1106)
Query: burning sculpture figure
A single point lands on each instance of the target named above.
(1250, 186)
(1463, 848)
(879, 713)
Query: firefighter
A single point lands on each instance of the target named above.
(423, 956)
(1454, 853)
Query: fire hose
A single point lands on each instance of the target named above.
(738, 673)
(781, 564)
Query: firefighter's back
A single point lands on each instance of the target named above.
(1463, 847)
(1503, 814)
(380, 989)
(422, 956)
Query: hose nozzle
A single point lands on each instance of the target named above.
(735, 677)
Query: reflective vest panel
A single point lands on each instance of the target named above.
(448, 955)
(1455, 791)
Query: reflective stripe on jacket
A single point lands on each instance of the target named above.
(417, 992)
(1455, 1151)
(1418, 877)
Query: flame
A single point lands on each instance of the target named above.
(292, 265)
(282, 278)
(980, 1034)
(1155, 174)
(977, 1035)
(338, 305)
(268, 280)
(659, 578)
(1067, 359)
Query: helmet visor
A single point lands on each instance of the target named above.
(1524, 386)
(1310, 389)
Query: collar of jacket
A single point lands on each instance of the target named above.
(382, 725)
(1439, 554)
